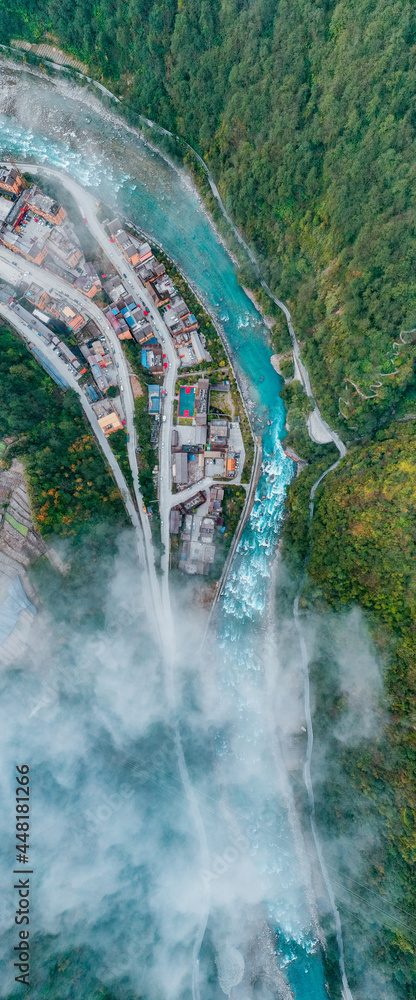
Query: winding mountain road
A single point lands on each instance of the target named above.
(88, 206)
(61, 368)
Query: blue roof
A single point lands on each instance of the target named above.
(124, 311)
(154, 398)
(129, 320)
(115, 311)
(93, 394)
(50, 370)
(192, 318)
(144, 359)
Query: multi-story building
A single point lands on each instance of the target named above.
(10, 179)
(44, 206)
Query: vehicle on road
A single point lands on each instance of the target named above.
(124, 422)
(128, 436)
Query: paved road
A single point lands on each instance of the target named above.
(60, 367)
(204, 484)
(14, 269)
(88, 207)
(323, 431)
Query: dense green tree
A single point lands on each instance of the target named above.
(305, 114)
(71, 490)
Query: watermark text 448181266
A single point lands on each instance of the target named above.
(22, 885)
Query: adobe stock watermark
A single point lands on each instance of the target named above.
(221, 863)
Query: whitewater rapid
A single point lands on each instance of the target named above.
(255, 863)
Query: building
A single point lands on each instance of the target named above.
(61, 244)
(25, 236)
(206, 532)
(151, 357)
(44, 206)
(68, 353)
(115, 288)
(88, 284)
(230, 465)
(110, 422)
(58, 308)
(175, 440)
(159, 292)
(144, 252)
(143, 333)
(151, 270)
(10, 179)
(97, 347)
(218, 435)
(5, 207)
(192, 503)
(202, 401)
(180, 476)
(174, 521)
(71, 317)
(109, 315)
(154, 400)
(92, 392)
(99, 377)
(135, 251)
(197, 347)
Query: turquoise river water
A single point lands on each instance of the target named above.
(145, 892)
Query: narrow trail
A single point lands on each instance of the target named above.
(307, 777)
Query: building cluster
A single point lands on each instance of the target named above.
(130, 322)
(195, 521)
(89, 355)
(201, 446)
(35, 226)
(181, 323)
(108, 417)
(71, 356)
(100, 362)
(49, 306)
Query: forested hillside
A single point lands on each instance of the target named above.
(305, 112)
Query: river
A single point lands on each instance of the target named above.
(160, 905)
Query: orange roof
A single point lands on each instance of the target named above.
(111, 422)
